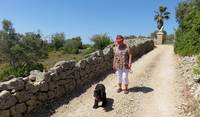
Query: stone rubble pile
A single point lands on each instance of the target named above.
(192, 90)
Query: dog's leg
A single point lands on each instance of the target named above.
(95, 104)
(104, 101)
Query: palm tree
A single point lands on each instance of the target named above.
(161, 14)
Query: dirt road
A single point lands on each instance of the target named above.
(153, 92)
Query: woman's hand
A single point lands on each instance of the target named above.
(129, 65)
(114, 67)
(129, 68)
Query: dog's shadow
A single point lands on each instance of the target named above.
(141, 89)
(109, 105)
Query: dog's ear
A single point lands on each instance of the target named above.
(102, 93)
(95, 93)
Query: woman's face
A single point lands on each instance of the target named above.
(120, 43)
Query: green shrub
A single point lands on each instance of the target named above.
(7, 70)
(187, 43)
(72, 46)
(101, 41)
(85, 46)
(89, 50)
(57, 41)
(196, 69)
(187, 40)
(71, 50)
(4, 71)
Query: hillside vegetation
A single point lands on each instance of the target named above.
(187, 42)
(188, 33)
(21, 53)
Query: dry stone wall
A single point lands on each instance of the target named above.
(21, 95)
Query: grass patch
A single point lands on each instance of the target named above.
(22, 71)
(56, 56)
(3, 70)
(196, 69)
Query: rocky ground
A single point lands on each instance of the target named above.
(190, 86)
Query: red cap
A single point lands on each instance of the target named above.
(119, 40)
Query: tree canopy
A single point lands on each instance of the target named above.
(161, 14)
(188, 33)
(101, 41)
(21, 51)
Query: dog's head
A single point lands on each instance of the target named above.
(97, 94)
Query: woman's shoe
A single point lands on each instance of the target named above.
(119, 90)
(126, 91)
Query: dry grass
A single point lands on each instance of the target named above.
(56, 56)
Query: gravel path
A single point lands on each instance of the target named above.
(153, 92)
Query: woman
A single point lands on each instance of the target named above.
(122, 63)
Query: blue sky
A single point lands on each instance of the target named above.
(87, 17)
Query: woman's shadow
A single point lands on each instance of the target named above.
(142, 89)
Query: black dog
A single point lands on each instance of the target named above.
(100, 95)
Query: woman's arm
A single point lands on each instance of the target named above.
(130, 57)
(114, 48)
